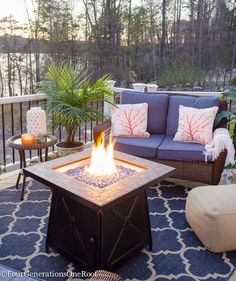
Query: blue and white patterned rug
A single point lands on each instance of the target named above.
(177, 253)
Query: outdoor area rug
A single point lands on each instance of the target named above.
(177, 253)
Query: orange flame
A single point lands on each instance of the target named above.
(102, 158)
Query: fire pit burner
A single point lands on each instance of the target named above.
(100, 181)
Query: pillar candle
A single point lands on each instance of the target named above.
(27, 139)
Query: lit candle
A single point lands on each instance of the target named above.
(27, 139)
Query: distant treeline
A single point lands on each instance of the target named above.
(19, 44)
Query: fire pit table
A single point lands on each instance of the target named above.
(98, 225)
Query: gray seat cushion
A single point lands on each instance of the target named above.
(157, 108)
(173, 150)
(142, 147)
(176, 101)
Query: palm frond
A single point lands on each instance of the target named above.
(71, 95)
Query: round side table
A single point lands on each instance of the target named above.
(15, 143)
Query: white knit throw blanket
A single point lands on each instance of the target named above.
(221, 140)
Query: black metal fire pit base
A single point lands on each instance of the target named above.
(102, 238)
(97, 228)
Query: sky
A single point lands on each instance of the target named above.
(15, 8)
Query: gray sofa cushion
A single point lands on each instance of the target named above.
(157, 108)
(173, 150)
(142, 147)
(176, 101)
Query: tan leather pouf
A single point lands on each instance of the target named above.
(211, 213)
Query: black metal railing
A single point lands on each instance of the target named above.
(13, 121)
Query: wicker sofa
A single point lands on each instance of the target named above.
(163, 111)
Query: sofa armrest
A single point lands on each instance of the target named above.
(104, 127)
(219, 164)
(224, 122)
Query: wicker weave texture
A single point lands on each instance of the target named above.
(209, 172)
(103, 275)
(192, 171)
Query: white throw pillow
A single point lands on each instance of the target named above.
(130, 120)
(195, 125)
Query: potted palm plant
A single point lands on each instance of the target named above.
(71, 98)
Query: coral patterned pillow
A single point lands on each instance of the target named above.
(130, 120)
(195, 125)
